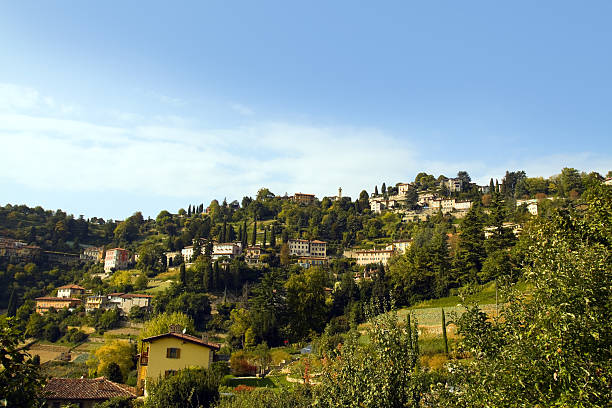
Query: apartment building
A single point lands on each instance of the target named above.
(116, 258)
(304, 247)
(226, 250)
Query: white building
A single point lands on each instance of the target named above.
(400, 246)
(402, 188)
(453, 184)
(116, 258)
(372, 256)
(531, 204)
(70, 291)
(227, 250)
(303, 247)
(187, 253)
(463, 205)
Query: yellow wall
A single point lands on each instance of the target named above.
(191, 355)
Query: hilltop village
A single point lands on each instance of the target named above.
(264, 287)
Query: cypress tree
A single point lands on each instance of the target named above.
(189, 211)
(264, 238)
(444, 332)
(272, 236)
(254, 236)
(222, 232)
(491, 186)
(207, 278)
(375, 190)
(383, 189)
(182, 275)
(12, 305)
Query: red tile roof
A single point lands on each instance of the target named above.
(135, 295)
(58, 298)
(85, 389)
(72, 286)
(185, 337)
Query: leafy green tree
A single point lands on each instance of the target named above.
(189, 388)
(112, 372)
(160, 324)
(117, 402)
(306, 302)
(20, 377)
(570, 180)
(465, 179)
(563, 324)
(383, 374)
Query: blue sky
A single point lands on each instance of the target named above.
(114, 107)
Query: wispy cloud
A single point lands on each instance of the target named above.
(242, 109)
(181, 159)
(168, 100)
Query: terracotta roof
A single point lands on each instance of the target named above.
(135, 295)
(71, 286)
(85, 389)
(316, 241)
(58, 298)
(186, 337)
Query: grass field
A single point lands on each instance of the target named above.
(276, 381)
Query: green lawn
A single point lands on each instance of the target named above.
(276, 381)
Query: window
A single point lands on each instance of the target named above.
(169, 373)
(173, 352)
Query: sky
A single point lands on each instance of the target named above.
(107, 108)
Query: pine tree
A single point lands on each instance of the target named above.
(471, 250)
(254, 236)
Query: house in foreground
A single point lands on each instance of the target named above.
(84, 392)
(163, 355)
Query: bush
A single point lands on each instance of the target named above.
(187, 388)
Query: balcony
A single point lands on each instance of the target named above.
(144, 359)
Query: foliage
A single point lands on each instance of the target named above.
(120, 353)
(306, 302)
(189, 388)
(297, 397)
(381, 374)
(160, 324)
(117, 402)
(20, 379)
(563, 325)
(112, 371)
